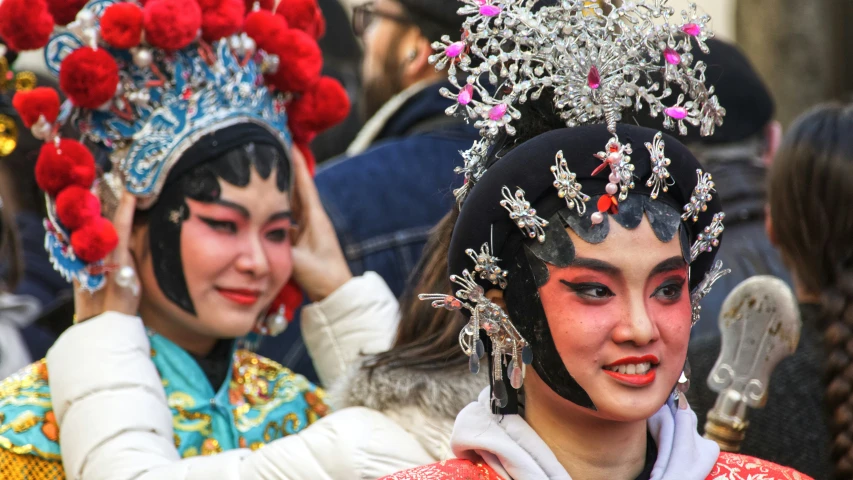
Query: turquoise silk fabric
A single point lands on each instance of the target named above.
(259, 402)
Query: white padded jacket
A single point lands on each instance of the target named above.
(116, 425)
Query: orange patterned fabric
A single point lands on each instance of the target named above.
(29, 467)
(729, 466)
(454, 469)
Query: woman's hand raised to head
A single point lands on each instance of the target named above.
(122, 290)
(319, 266)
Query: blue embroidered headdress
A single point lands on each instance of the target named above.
(144, 84)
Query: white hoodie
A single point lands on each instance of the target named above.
(511, 447)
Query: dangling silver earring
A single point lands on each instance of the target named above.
(682, 386)
(275, 323)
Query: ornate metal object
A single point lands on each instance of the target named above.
(597, 63)
(760, 325)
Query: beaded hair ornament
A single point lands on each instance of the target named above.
(147, 79)
(598, 60)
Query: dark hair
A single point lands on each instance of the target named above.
(201, 183)
(810, 198)
(10, 250)
(427, 338)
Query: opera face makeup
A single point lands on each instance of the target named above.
(621, 320)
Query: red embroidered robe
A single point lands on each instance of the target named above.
(729, 466)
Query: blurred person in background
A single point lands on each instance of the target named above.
(342, 61)
(28, 271)
(396, 180)
(808, 420)
(737, 156)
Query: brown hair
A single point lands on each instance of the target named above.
(427, 338)
(810, 195)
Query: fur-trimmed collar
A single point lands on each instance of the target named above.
(440, 392)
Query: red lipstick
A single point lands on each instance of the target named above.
(634, 379)
(240, 296)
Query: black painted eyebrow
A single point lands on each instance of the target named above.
(283, 215)
(597, 265)
(234, 206)
(668, 265)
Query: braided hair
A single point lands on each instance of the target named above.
(810, 195)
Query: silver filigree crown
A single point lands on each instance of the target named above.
(597, 64)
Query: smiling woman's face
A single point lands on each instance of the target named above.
(620, 318)
(236, 257)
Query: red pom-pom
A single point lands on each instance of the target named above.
(25, 24)
(303, 15)
(291, 297)
(36, 102)
(264, 4)
(306, 152)
(121, 25)
(65, 11)
(171, 24)
(263, 26)
(72, 164)
(89, 77)
(77, 206)
(300, 61)
(95, 240)
(326, 104)
(221, 18)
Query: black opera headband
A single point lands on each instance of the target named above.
(596, 62)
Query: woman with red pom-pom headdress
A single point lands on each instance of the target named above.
(187, 220)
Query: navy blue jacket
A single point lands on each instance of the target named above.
(383, 202)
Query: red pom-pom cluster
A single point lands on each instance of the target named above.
(65, 11)
(25, 24)
(89, 77)
(323, 106)
(66, 173)
(221, 18)
(121, 25)
(35, 103)
(76, 206)
(171, 24)
(95, 240)
(70, 164)
(264, 26)
(300, 61)
(303, 15)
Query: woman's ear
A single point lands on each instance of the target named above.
(496, 296)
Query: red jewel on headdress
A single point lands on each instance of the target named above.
(608, 204)
(593, 78)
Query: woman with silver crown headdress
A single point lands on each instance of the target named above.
(179, 246)
(604, 235)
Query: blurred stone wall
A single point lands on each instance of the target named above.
(801, 49)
